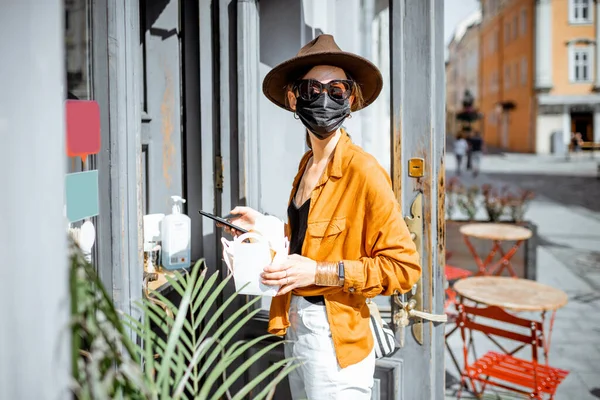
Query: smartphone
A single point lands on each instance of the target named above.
(222, 221)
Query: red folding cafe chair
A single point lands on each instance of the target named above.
(453, 274)
(528, 377)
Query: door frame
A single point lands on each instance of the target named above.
(418, 131)
(118, 256)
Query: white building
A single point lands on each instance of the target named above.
(462, 67)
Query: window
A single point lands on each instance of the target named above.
(580, 11)
(78, 49)
(514, 28)
(523, 22)
(524, 71)
(494, 88)
(515, 74)
(493, 118)
(506, 76)
(506, 33)
(580, 69)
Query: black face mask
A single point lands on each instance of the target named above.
(322, 116)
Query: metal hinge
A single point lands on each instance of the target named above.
(219, 173)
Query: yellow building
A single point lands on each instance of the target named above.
(538, 75)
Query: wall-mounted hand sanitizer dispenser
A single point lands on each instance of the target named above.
(176, 237)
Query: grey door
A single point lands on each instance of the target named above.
(418, 99)
(161, 104)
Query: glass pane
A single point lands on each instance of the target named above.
(78, 61)
(577, 73)
(78, 69)
(77, 49)
(584, 74)
(584, 12)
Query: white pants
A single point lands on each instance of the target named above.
(319, 376)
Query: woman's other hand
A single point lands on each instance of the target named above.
(244, 217)
(296, 271)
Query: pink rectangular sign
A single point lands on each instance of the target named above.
(83, 128)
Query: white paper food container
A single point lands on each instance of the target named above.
(247, 260)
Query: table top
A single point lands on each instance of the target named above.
(162, 283)
(493, 231)
(511, 293)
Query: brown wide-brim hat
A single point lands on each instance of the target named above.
(322, 51)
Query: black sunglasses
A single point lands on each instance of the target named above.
(310, 89)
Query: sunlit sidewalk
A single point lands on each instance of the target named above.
(568, 258)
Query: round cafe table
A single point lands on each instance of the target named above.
(497, 233)
(514, 294)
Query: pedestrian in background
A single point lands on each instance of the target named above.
(576, 142)
(468, 136)
(460, 150)
(476, 147)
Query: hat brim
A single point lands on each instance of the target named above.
(362, 71)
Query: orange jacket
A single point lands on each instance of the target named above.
(355, 217)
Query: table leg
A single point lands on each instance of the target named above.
(548, 337)
(485, 267)
(504, 261)
(481, 265)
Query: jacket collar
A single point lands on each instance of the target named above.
(334, 168)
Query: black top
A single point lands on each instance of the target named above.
(476, 143)
(298, 222)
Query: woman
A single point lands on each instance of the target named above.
(348, 240)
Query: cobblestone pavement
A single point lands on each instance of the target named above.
(567, 213)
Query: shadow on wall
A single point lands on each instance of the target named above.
(278, 42)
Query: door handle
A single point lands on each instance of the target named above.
(414, 222)
(413, 308)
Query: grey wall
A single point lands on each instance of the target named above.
(280, 30)
(34, 334)
(281, 137)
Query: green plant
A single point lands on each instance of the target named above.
(495, 201)
(518, 203)
(467, 201)
(452, 190)
(191, 355)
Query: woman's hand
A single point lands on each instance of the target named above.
(244, 217)
(295, 272)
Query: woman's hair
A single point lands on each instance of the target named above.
(357, 104)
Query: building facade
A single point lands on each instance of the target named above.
(539, 73)
(462, 69)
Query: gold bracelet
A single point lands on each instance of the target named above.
(327, 274)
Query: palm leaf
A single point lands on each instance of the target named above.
(271, 385)
(269, 390)
(173, 338)
(218, 370)
(225, 340)
(108, 364)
